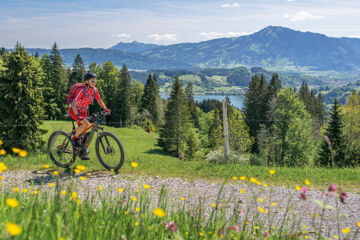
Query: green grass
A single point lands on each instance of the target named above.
(52, 214)
(140, 147)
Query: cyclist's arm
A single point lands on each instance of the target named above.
(99, 100)
(101, 103)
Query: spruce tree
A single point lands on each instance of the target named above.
(256, 106)
(123, 100)
(150, 99)
(51, 108)
(332, 147)
(22, 103)
(174, 132)
(77, 71)
(192, 106)
(59, 81)
(216, 134)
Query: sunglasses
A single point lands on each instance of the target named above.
(93, 81)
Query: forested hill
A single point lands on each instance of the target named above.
(273, 47)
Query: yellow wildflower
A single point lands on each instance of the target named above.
(242, 178)
(234, 178)
(213, 205)
(56, 173)
(2, 152)
(146, 186)
(159, 212)
(253, 180)
(63, 192)
(16, 150)
(242, 190)
(274, 204)
(15, 189)
(137, 209)
(24, 190)
(260, 199)
(120, 189)
(126, 212)
(307, 182)
(298, 188)
(265, 185)
(83, 178)
(336, 237)
(1, 177)
(12, 202)
(77, 170)
(358, 224)
(272, 172)
(346, 230)
(89, 174)
(1, 142)
(13, 229)
(81, 167)
(46, 166)
(74, 195)
(182, 199)
(23, 153)
(261, 210)
(136, 223)
(134, 164)
(133, 198)
(100, 188)
(258, 183)
(36, 192)
(51, 185)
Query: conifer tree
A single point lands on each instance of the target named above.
(51, 108)
(59, 81)
(77, 71)
(216, 134)
(150, 98)
(22, 103)
(256, 106)
(123, 100)
(174, 132)
(332, 148)
(192, 106)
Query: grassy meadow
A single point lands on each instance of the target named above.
(140, 147)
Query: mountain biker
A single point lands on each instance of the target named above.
(79, 107)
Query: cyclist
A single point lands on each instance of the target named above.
(79, 107)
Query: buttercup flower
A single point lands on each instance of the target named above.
(159, 212)
(12, 202)
(134, 164)
(13, 229)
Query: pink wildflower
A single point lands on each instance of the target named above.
(342, 196)
(332, 187)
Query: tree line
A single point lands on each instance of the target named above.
(278, 126)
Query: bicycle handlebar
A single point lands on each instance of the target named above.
(94, 116)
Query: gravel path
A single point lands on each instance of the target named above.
(207, 191)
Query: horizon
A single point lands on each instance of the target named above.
(90, 24)
(136, 41)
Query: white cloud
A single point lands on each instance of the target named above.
(121, 35)
(290, 0)
(301, 16)
(233, 5)
(212, 35)
(164, 37)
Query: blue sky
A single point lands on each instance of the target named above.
(101, 24)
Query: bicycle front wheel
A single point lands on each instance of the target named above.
(110, 151)
(60, 149)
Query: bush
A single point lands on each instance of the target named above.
(256, 160)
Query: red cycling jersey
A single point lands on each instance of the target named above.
(83, 101)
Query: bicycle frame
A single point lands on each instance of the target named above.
(95, 128)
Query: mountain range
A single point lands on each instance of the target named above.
(276, 48)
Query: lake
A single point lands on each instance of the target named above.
(236, 100)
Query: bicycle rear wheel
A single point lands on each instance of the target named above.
(60, 149)
(110, 151)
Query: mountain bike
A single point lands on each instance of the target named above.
(108, 147)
